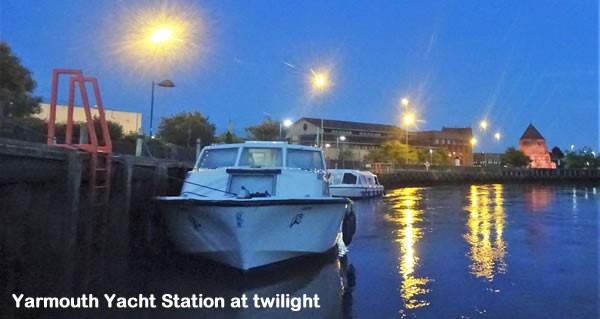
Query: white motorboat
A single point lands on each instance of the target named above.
(251, 204)
(354, 183)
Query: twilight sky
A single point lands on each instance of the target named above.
(513, 62)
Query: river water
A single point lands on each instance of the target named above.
(461, 251)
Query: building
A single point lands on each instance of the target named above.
(130, 121)
(457, 141)
(356, 140)
(533, 144)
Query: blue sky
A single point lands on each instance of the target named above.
(514, 62)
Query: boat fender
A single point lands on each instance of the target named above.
(348, 226)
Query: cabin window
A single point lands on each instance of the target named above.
(376, 180)
(261, 157)
(363, 180)
(218, 157)
(304, 159)
(349, 178)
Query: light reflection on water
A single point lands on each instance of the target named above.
(456, 251)
(406, 212)
(485, 228)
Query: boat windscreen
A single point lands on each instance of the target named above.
(335, 178)
(304, 159)
(261, 157)
(218, 157)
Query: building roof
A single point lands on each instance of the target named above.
(348, 125)
(531, 133)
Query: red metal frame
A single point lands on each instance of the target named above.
(100, 155)
(77, 79)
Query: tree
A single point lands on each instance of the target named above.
(394, 152)
(229, 137)
(268, 130)
(438, 157)
(16, 87)
(557, 156)
(184, 128)
(583, 158)
(514, 158)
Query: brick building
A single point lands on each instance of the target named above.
(361, 138)
(533, 144)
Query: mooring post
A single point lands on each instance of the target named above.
(138, 146)
(198, 147)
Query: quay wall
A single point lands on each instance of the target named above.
(406, 177)
(46, 214)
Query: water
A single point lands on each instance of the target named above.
(479, 251)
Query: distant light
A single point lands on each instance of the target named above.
(497, 136)
(404, 102)
(287, 123)
(327, 145)
(161, 35)
(319, 80)
(572, 146)
(430, 151)
(408, 119)
(158, 39)
(473, 141)
(483, 124)
(342, 138)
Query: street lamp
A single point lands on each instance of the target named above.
(340, 138)
(286, 124)
(473, 141)
(320, 82)
(164, 84)
(497, 136)
(483, 124)
(408, 119)
(404, 101)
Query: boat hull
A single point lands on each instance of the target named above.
(249, 233)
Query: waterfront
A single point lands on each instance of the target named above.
(459, 251)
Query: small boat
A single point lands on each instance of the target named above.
(354, 183)
(255, 203)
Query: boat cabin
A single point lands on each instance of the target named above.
(257, 169)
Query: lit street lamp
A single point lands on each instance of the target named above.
(320, 82)
(483, 124)
(404, 102)
(285, 123)
(165, 84)
(408, 119)
(473, 141)
(340, 138)
(497, 136)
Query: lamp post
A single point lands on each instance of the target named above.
(165, 84)
(320, 82)
(408, 119)
(337, 141)
(431, 156)
(285, 123)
